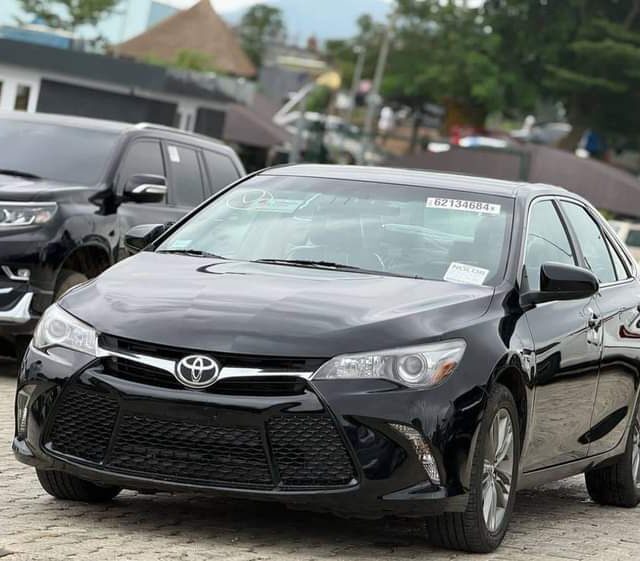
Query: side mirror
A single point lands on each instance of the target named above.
(561, 282)
(145, 188)
(139, 237)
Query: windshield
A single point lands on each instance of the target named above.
(394, 229)
(59, 153)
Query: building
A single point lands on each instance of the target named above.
(199, 29)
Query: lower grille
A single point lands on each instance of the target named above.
(309, 451)
(83, 424)
(306, 449)
(190, 452)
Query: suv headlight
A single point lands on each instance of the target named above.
(57, 328)
(13, 215)
(421, 366)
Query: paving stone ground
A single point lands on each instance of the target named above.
(552, 522)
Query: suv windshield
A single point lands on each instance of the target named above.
(393, 229)
(55, 152)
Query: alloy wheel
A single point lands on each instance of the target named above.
(635, 453)
(497, 474)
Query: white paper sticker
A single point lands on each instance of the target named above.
(465, 274)
(463, 205)
(173, 154)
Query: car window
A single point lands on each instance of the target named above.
(221, 170)
(547, 240)
(143, 156)
(186, 179)
(621, 270)
(633, 238)
(453, 236)
(592, 242)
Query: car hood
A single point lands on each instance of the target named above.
(260, 309)
(21, 189)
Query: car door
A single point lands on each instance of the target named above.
(619, 317)
(566, 346)
(142, 155)
(185, 177)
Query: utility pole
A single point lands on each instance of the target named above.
(357, 78)
(373, 99)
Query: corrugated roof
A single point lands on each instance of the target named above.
(200, 29)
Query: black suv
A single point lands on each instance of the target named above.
(71, 187)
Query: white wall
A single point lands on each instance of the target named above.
(11, 77)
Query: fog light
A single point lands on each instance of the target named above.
(422, 449)
(22, 275)
(22, 410)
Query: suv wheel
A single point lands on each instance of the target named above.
(68, 487)
(67, 280)
(619, 484)
(482, 526)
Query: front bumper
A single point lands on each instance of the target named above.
(325, 445)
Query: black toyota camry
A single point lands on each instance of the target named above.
(362, 340)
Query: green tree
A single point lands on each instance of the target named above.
(259, 25)
(68, 15)
(186, 59)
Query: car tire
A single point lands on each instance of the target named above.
(66, 281)
(71, 488)
(619, 484)
(473, 530)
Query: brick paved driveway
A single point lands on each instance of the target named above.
(552, 522)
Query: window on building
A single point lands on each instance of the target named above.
(22, 97)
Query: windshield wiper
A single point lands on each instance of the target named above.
(192, 253)
(18, 173)
(331, 265)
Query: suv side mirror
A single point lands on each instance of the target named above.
(145, 188)
(561, 282)
(139, 237)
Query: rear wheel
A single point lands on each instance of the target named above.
(619, 484)
(482, 526)
(68, 487)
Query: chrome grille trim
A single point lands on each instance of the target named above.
(225, 373)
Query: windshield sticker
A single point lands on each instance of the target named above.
(465, 274)
(465, 206)
(259, 200)
(174, 156)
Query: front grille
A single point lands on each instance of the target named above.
(83, 424)
(142, 374)
(190, 452)
(291, 451)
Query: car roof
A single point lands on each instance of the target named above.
(102, 124)
(421, 178)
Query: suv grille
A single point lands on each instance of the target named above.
(306, 449)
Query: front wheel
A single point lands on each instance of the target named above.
(71, 488)
(619, 484)
(482, 526)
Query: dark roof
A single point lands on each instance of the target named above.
(197, 29)
(245, 126)
(67, 120)
(103, 68)
(418, 178)
(605, 186)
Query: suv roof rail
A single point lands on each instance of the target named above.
(165, 128)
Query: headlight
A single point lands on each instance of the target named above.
(57, 328)
(421, 366)
(25, 214)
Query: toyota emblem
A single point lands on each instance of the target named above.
(197, 371)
